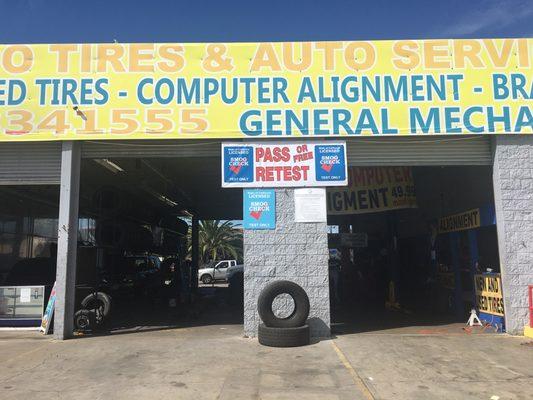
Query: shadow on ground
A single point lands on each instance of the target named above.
(213, 305)
(371, 318)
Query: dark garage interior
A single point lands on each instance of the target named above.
(135, 242)
(403, 272)
(135, 259)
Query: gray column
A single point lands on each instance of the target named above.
(67, 240)
(513, 198)
(296, 252)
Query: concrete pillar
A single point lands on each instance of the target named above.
(297, 252)
(513, 198)
(67, 240)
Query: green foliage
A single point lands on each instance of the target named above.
(218, 240)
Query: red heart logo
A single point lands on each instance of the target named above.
(235, 169)
(256, 214)
(327, 167)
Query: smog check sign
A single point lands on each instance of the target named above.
(259, 209)
(284, 164)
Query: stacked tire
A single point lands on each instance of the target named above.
(291, 331)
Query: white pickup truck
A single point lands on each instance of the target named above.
(215, 271)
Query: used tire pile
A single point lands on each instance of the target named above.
(291, 331)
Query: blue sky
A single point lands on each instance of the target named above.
(54, 21)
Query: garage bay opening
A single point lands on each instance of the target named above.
(164, 244)
(159, 242)
(28, 249)
(407, 246)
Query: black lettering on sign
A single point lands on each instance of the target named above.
(373, 198)
(362, 199)
(350, 201)
(383, 191)
(489, 297)
(459, 222)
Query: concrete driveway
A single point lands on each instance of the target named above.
(216, 362)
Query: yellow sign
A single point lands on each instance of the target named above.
(460, 222)
(265, 90)
(373, 189)
(489, 296)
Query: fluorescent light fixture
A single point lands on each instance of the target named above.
(109, 165)
(162, 198)
(166, 200)
(187, 213)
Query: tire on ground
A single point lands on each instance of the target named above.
(100, 297)
(83, 320)
(283, 337)
(301, 305)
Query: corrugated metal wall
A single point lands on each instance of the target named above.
(153, 148)
(40, 162)
(456, 150)
(30, 163)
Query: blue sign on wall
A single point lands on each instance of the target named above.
(259, 210)
(330, 163)
(238, 164)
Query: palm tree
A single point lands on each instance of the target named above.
(218, 240)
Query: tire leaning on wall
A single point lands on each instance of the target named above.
(301, 305)
(291, 331)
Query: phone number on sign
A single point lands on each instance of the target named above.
(122, 121)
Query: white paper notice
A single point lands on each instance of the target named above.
(310, 205)
(25, 295)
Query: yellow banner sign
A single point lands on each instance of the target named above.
(489, 296)
(373, 189)
(460, 222)
(261, 90)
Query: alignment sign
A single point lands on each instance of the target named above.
(284, 164)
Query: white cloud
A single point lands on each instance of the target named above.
(498, 14)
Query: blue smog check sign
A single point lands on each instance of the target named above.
(288, 164)
(330, 163)
(259, 209)
(239, 163)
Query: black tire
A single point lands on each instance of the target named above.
(301, 305)
(100, 305)
(206, 279)
(283, 337)
(83, 320)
